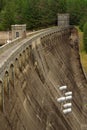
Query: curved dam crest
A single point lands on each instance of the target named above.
(30, 76)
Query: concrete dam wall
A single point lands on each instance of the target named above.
(31, 71)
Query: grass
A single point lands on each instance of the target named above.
(83, 54)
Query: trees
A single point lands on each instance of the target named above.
(77, 10)
(7, 15)
(85, 36)
(40, 13)
(82, 22)
(2, 4)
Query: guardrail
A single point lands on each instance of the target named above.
(11, 50)
(16, 41)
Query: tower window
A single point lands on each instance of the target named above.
(17, 34)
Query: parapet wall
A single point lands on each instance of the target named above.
(30, 73)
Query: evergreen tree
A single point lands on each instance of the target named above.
(34, 13)
(77, 10)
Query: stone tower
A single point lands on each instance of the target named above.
(18, 31)
(63, 19)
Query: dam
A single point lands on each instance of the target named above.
(31, 70)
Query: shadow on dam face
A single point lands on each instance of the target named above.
(31, 103)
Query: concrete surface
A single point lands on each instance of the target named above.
(30, 73)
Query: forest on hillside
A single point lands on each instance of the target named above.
(41, 13)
